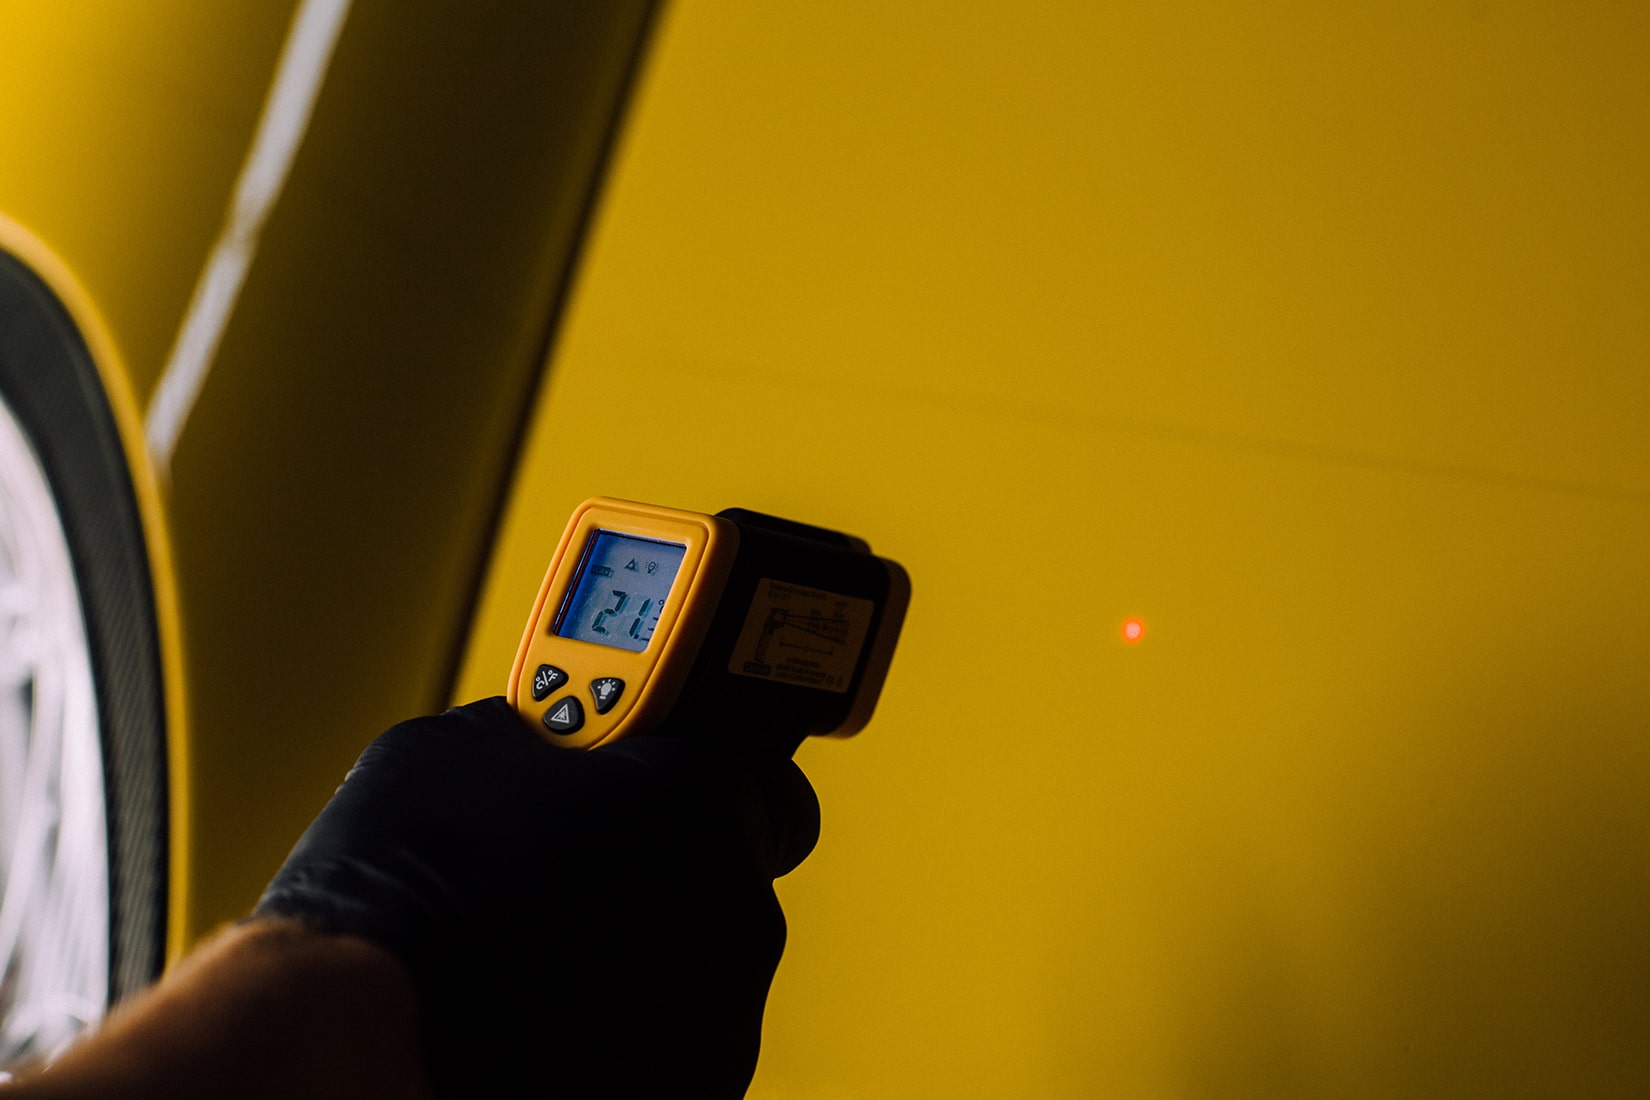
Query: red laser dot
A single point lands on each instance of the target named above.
(1133, 630)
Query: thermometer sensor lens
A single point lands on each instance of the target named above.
(620, 589)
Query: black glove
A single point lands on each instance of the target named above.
(577, 923)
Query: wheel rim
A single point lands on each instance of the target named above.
(54, 859)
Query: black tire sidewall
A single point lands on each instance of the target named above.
(49, 381)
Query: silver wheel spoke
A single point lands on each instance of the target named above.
(54, 908)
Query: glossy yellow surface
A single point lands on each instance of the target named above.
(1312, 336)
(125, 123)
(333, 491)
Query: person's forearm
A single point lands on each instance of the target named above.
(264, 1009)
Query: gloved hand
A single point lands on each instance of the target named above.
(577, 923)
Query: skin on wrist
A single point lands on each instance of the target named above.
(268, 1008)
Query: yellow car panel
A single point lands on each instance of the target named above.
(125, 125)
(1310, 337)
(329, 489)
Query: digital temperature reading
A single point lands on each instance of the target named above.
(620, 590)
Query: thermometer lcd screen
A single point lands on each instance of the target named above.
(620, 590)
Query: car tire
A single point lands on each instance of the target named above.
(52, 396)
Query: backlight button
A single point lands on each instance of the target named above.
(606, 692)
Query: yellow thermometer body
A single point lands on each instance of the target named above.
(737, 625)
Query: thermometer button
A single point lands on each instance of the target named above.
(565, 715)
(606, 692)
(547, 679)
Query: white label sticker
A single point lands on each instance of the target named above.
(802, 636)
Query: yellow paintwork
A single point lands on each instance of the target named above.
(653, 677)
(125, 123)
(152, 514)
(1313, 336)
(333, 490)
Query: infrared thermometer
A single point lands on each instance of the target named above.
(736, 624)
